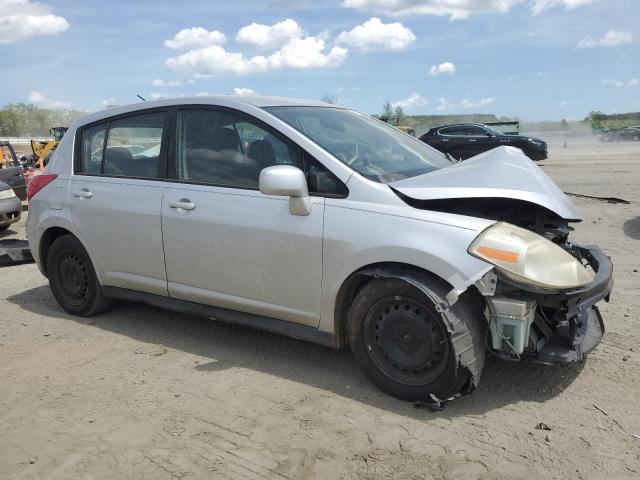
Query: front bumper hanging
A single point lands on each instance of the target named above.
(579, 325)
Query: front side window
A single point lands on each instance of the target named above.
(370, 147)
(225, 149)
(473, 131)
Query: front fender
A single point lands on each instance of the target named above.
(355, 239)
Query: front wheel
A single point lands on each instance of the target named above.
(72, 278)
(401, 341)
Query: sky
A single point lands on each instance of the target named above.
(531, 59)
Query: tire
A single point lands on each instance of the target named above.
(401, 341)
(72, 278)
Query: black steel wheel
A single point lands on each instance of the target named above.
(72, 278)
(401, 341)
(405, 340)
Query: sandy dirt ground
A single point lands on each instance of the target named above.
(139, 392)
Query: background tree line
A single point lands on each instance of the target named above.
(26, 120)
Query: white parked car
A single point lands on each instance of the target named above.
(324, 224)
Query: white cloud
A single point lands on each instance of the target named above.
(513, 77)
(444, 105)
(375, 35)
(269, 36)
(161, 96)
(456, 9)
(108, 102)
(538, 6)
(166, 83)
(610, 39)
(203, 94)
(564, 103)
(243, 91)
(413, 101)
(40, 100)
(447, 68)
(483, 102)
(634, 82)
(297, 53)
(195, 37)
(22, 19)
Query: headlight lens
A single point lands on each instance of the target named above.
(536, 142)
(5, 194)
(529, 258)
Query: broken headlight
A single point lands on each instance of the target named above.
(527, 257)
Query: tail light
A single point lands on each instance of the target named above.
(38, 182)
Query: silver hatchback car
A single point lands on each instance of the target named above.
(324, 224)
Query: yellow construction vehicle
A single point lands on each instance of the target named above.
(42, 150)
(395, 122)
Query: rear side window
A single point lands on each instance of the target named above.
(452, 131)
(92, 146)
(133, 146)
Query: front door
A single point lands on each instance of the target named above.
(478, 141)
(115, 199)
(225, 243)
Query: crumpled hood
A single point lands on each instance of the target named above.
(504, 172)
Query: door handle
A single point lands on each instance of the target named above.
(183, 203)
(84, 193)
(473, 140)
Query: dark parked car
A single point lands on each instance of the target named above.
(469, 139)
(626, 134)
(10, 206)
(13, 173)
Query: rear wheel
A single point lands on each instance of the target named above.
(72, 278)
(401, 341)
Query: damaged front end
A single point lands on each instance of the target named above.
(549, 326)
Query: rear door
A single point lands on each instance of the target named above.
(116, 196)
(225, 243)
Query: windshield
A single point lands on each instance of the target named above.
(372, 148)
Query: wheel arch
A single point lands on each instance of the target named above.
(46, 240)
(358, 279)
(464, 319)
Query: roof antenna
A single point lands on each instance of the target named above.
(140, 97)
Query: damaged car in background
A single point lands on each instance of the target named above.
(323, 224)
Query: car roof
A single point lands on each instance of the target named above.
(462, 125)
(238, 101)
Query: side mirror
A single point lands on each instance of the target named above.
(287, 181)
